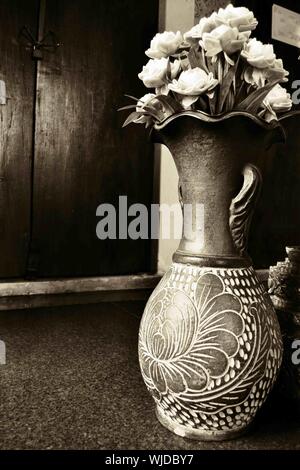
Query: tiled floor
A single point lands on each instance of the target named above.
(72, 381)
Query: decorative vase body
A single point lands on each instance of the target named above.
(209, 343)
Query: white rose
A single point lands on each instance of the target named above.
(258, 77)
(205, 25)
(255, 77)
(154, 73)
(224, 38)
(194, 33)
(239, 17)
(277, 72)
(191, 84)
(259, 55)
(278, 99)
(164, 44)
(148, 99)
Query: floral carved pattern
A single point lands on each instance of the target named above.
(186, 346)
(204, 347)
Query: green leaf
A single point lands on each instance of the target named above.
(132, 97)
(219, 71)
(169, 71)
(252, 103)
(193, 58)
(170, 103)
(130, 106)
(131, 118)
(212, 66)
(225, 86)
(229, 104)
(204, 61)
(152, 112)
(197, 59)
(240, 94)
(202, 103)
(213, 101)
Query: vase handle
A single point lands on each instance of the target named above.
(242, 207)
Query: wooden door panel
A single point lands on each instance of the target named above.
(83, 157)
(17, 69)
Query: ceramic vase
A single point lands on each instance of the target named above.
(209, 343)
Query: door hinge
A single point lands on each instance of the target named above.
(49, 42)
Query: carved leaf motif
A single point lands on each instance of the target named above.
(242, 207)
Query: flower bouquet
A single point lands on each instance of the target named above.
(214, 68)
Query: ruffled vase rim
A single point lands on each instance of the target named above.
(208, 118)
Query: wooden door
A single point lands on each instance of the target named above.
(82, 155)
(17, 70)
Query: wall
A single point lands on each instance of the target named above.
(206, 7)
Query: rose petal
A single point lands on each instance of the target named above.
(211, 45)
(163, 90)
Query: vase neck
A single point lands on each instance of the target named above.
(219, 184)
(206, 236)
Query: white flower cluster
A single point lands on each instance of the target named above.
(228, 30)
(220, 41)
